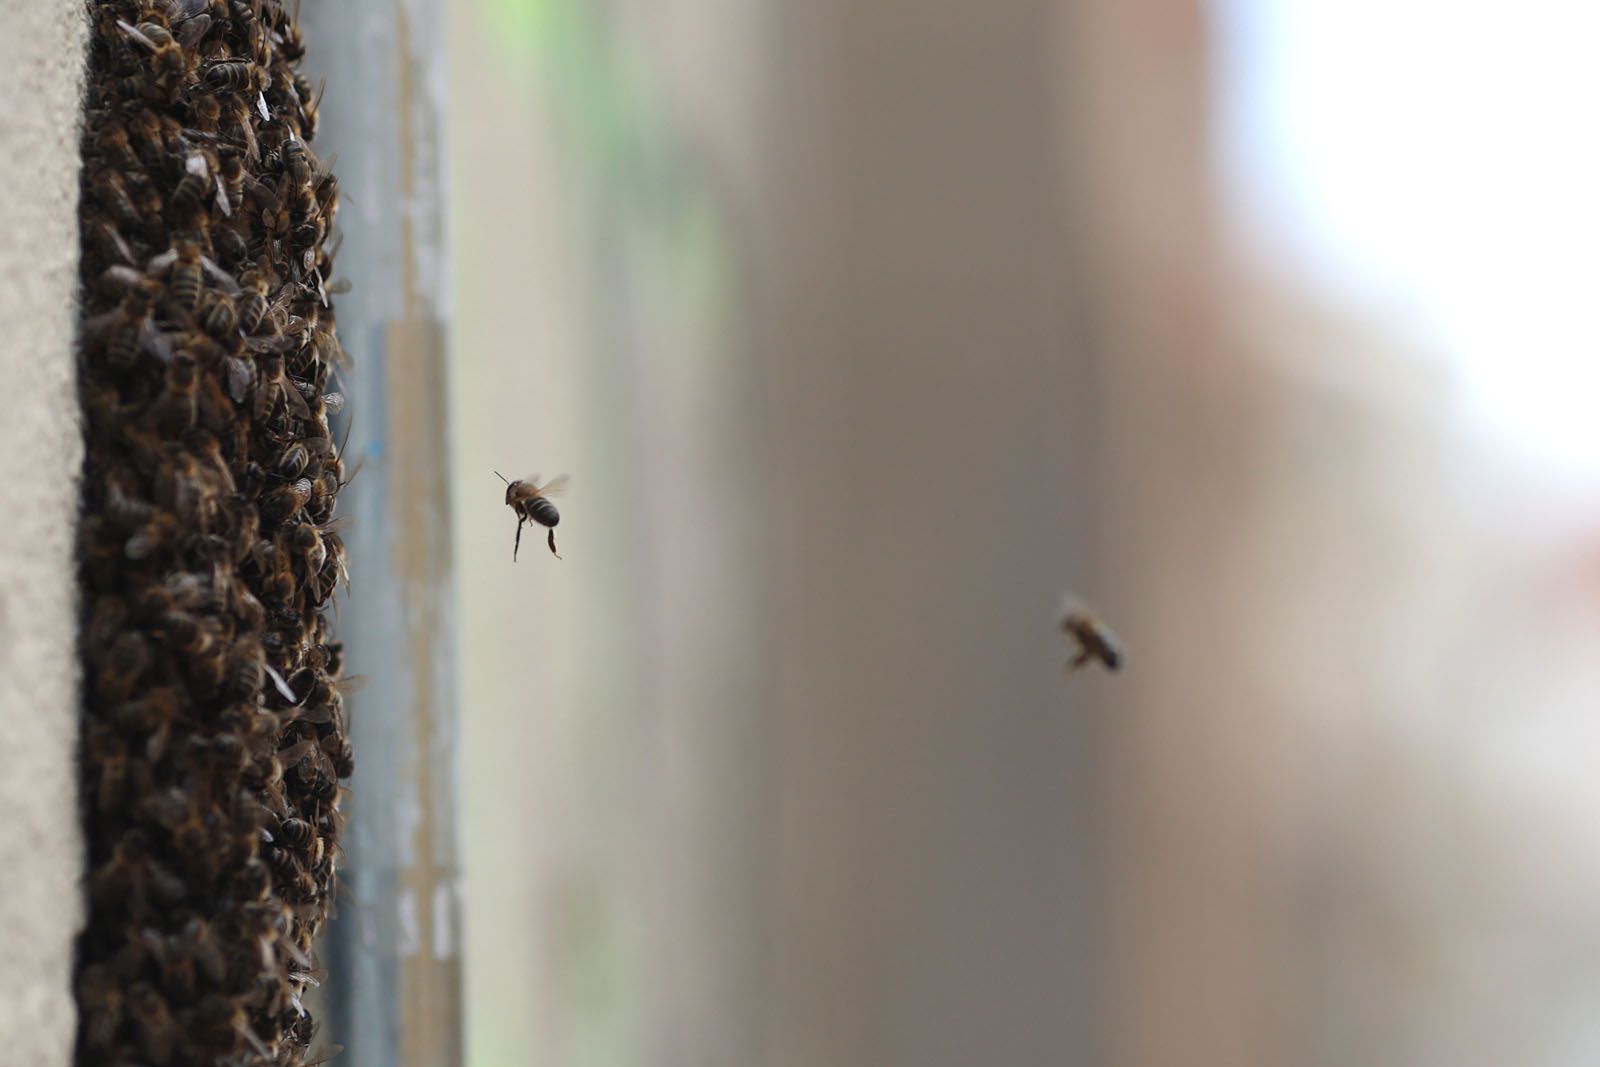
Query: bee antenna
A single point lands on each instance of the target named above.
(502, 477)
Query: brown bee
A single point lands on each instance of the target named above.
(528, 499)
(284, 503)
(125, 663)
(206, 113)
(340, 753)
(154, 536)
(192, 188)
(184, 262)
(128, 328)
(233, 77)
(152, 715)
(278, 583)
(169, 63)
(298, 160)
(219, 315)
(174, 410)
(113, 193)
(230, 174)
(159, 1032)
(273, 382)
(297, 834)
(111, 139)
(1094, 639)
(254, 287)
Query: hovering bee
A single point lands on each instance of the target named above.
(1093, 638)
(529, 500)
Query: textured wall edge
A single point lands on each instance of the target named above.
(41, 842)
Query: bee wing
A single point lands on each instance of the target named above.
(196, 165)
(178, 10)
(160, 263)
(553, 486)
(297, 403)
(121, 243)
(281, 685)
(226, 280)
(193, 29)
(154, 342)
(136, 35)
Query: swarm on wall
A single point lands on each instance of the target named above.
(214, 734)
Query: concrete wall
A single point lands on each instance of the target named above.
(41, 82)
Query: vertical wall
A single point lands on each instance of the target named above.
(393, 948)
(41, 83)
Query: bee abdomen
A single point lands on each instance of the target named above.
(543, 512)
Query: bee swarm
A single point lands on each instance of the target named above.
(213, 732)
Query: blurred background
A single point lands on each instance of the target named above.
(868, 327)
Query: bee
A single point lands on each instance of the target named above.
(340, 753)
(125, 663)
(271, 383)
(284, 503)
(169, 62)
(206, 113)
(297, 834)
(152, 715)
(298, 160)
(529, 500)
(245, 129)
(155, 535)
(254, 287)
(100, 1002)
(111, 139)
(230, 174)
(233, 77)
(113, 193)
(159, 1032)
(278, 585)
(1093, 638)
(219, 315)
(174, 411)
(191, 188)
(183, 263)
(128, 328)
(146, 127)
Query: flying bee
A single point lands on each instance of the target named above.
(529, 500)
(1093, 638)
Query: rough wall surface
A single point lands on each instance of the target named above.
(41, 82)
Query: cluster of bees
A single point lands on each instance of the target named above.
(214, 729)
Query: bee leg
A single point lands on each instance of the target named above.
(1079, 660)
(518, 543)
(552, 540)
